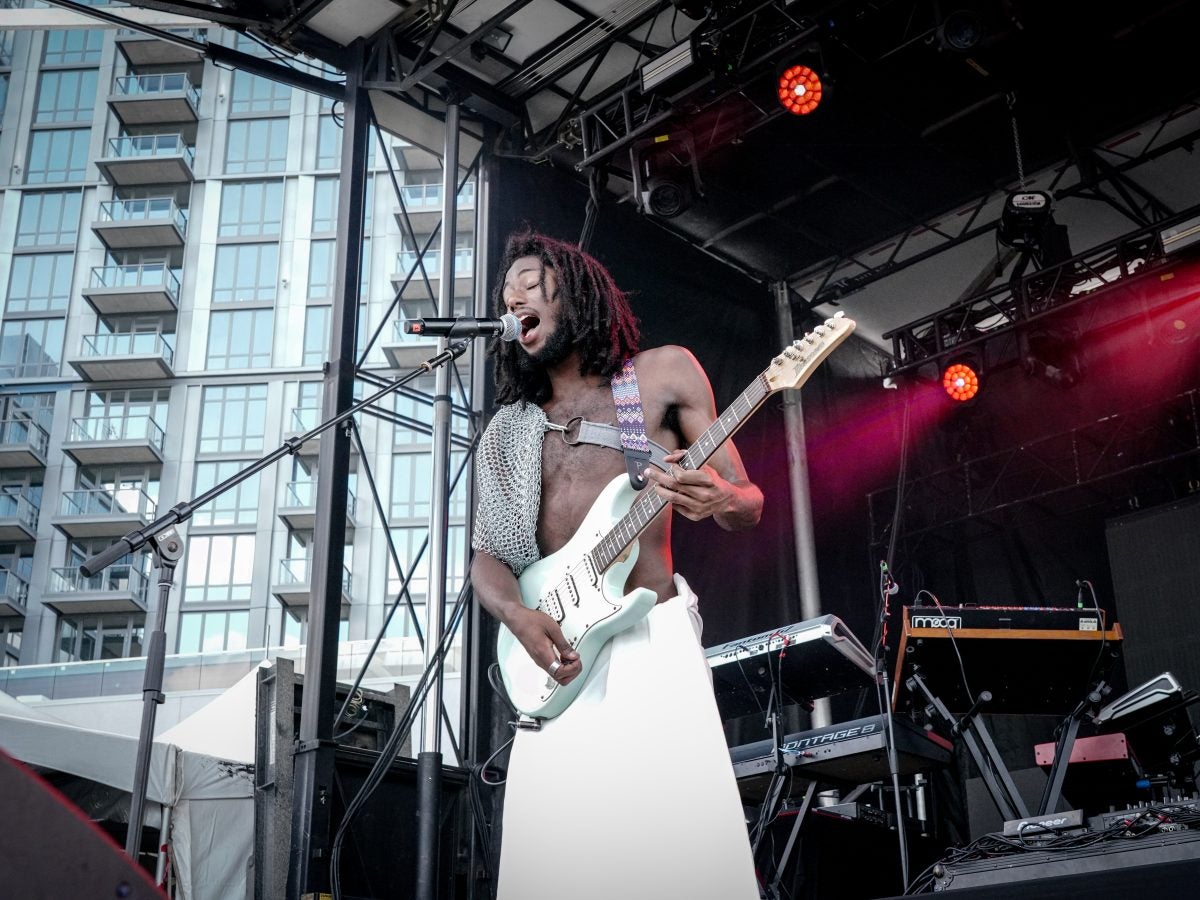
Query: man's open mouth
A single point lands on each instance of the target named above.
(528, 323)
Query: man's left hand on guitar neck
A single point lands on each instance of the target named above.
(700, 493)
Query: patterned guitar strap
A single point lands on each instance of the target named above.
(631, 420)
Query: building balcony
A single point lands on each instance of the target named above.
(406, 265)
(18, 518)
(23, 444)
(160, 99)
(119, 588)
(298, 508)
(423, 203)
(135, 224)
(110, 440)
(104, 513)
(147, 159)
(124, 357)
(406, 351)
(140, 49)
(129, 290)
(14, 593)
(412, 158)
(303, 419)
(293, 584)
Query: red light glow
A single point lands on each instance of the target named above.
(960, 382)
(799, 90)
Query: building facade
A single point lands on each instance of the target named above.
(167, 247)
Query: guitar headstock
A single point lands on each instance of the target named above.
(791, 368)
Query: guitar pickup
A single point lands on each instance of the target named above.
(552, 606)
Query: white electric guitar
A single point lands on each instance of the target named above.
(582, 586)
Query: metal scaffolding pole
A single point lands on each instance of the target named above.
(429, 761)
(802, 517)
(308, 872)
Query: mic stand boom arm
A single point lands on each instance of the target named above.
(167, 547)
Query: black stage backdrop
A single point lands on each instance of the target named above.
(746, 581)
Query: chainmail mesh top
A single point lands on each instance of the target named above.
(508, 470)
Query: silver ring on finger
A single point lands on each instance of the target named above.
(554, 667)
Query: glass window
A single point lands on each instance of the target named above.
(412, 484)
(40, 282)
(325, 202)
(3, 94)
(250, 208)
(316, 335)
(233, 418)
(237, 506)
(245, 272)
(66, 96)
(256, 145)
(252, 94)
(240, 338)
(111, 636)
(48, 219)
(220, 568)
(66, 47)
(30, 348)
(329, 143)
(320, 269)
(213, 632)
(408, 543)
(59, 154)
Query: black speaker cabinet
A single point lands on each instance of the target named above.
(50, 850)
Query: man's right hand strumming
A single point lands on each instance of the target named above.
(544, 642)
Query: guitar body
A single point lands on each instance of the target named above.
(590, 606)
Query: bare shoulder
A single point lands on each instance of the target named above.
(674, 372)
(669, 361)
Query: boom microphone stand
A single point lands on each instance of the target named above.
(168, 548)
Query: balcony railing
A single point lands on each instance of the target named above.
(148, 85)
(13, 587)
(24, 433)
(138, 276)
(19, 507)
(303, 494)
(156, 209)
(141, 343)
(464, 262)
(296, 570)
(305, 418)
(132, 146)
(426, 196)
(121, 578)
(118, 428)
(100, 502)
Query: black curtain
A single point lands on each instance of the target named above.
(746, 581)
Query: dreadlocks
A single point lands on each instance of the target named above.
(590, 305)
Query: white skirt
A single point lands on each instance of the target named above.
(630, 792)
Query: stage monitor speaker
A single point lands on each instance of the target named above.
(49, 849)
(1155, 573)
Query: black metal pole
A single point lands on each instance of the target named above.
(168, 549)
(308, 870)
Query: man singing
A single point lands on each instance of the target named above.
(629, 792)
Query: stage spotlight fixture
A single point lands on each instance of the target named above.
(960, 381)
(799, 89)
(670, 179)
(961, 30)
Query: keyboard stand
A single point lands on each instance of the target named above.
(801, 814)
(983, 750)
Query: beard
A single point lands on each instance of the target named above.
(558, 346)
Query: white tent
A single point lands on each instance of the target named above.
(201, 774)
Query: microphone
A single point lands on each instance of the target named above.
(507, 327)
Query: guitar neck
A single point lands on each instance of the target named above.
(648, 505)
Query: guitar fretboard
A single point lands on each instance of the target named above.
(648, 505)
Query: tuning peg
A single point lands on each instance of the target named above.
(840, 314)
(777, 361)
(820, 329)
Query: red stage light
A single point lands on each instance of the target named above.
(960, 382)
(799, 90)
